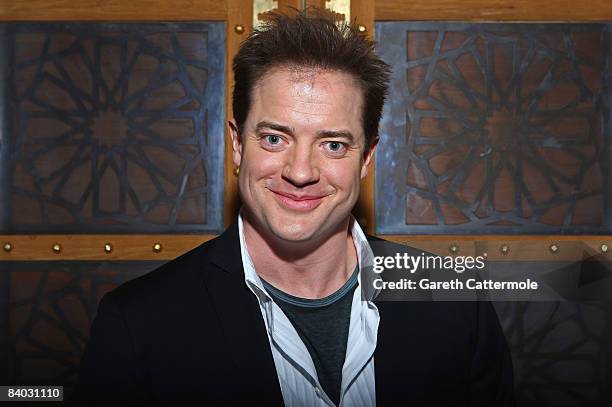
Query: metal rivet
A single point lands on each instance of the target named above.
(604, 248)
(157, 247)
(8, 247)
(504, 249)
(108, 247)
(554, 248)
(485, 254)
(361, 28)
(56, 247)
(236, 171)
(239, 28)
(453, 248)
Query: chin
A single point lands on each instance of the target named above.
(293, 231)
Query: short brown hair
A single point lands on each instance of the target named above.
(309, 39)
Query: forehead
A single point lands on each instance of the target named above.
(308, 98)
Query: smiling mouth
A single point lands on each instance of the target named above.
(297, 203)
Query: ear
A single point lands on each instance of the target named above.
(368, 155)
(236, 143)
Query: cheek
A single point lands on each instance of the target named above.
(344, 176)
(261, 163)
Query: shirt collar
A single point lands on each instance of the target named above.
(365, 259)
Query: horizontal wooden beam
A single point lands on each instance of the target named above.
(529, 238)
(512, 247)
(143, 247)
(94, 247)
(493, 10)
(112, 10)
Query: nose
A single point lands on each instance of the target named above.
(301, 168)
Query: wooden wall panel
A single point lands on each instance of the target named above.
(513, 248)
(112, 10)
(362, 13)
(484, 133)
(142, 247)
(493, 10)
(114, 127)
(50, 308)
(92, 247)
(240, 14)
(315, 3)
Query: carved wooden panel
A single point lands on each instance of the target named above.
(560, 351)
(50, 308)
(114, 127)
(495, 128)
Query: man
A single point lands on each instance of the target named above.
(269, 313)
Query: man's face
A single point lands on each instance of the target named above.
(302, 154)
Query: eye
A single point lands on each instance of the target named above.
(272, 139)
(272, 142)
(335, 148)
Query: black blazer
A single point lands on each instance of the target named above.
(191, 332)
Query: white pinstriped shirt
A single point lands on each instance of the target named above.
(296, 371)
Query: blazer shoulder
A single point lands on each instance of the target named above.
(171, 280)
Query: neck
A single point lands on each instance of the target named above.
(313, 269)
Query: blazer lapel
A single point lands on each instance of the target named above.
(241, 321)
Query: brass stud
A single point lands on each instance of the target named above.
(239, 28)
(157, 247)
(485, 255)
(108, 247)
(57, 248)
(361, 28)
(236, 171)
(453, 248)
(554, 248)
(504, 249)
(604, 248)
(8, 247)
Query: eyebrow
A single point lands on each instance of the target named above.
(274, 126)
(345, 134)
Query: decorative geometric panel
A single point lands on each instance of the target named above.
(561, 352)
(51, 306)
(495, 128)
(114, 127)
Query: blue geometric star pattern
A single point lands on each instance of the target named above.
(494, 128)
(115, 127)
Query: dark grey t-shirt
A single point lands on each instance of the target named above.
(323, 326)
